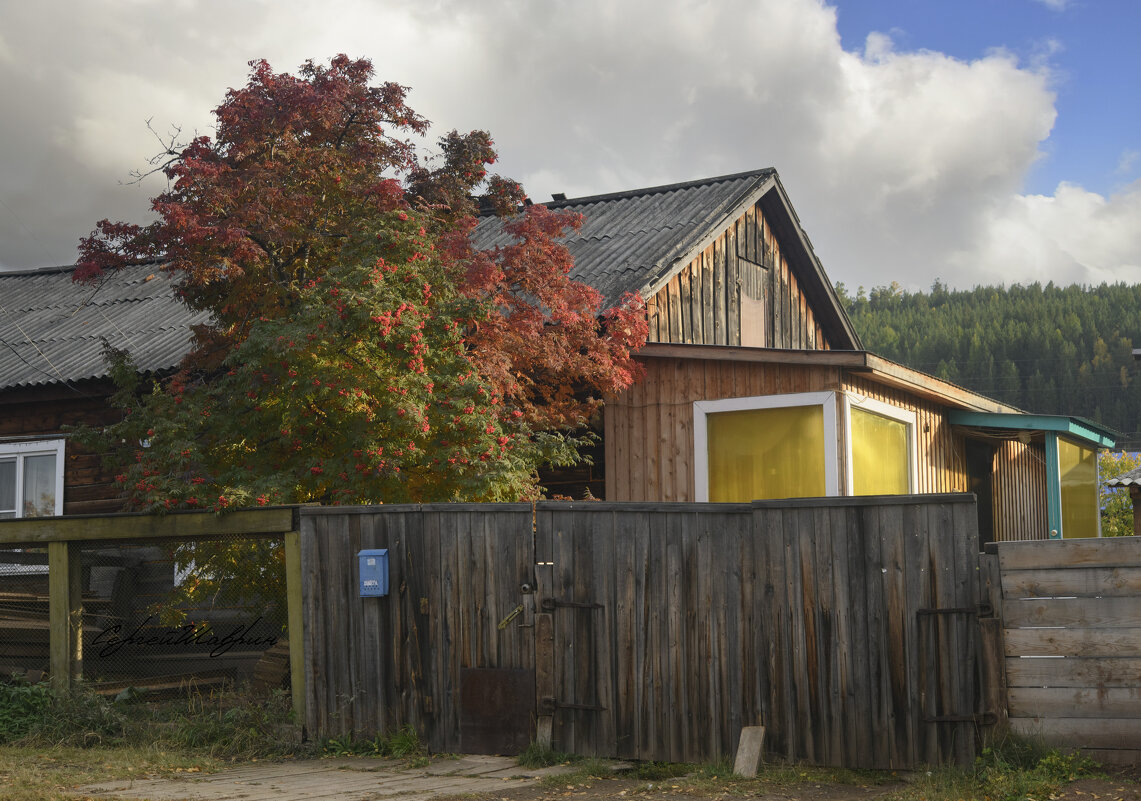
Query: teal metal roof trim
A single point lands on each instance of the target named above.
(1073, 427)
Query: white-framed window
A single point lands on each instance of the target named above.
(786, 446)
(766, 447)
(881, 455)
(31, 478)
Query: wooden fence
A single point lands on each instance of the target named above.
(653, 631)
(1071, 614)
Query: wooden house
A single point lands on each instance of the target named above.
(757, 385)
(53, 375)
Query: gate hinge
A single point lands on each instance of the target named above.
(550, 604)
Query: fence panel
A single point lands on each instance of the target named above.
(1072, 635)
(657, 631)
(375, 664)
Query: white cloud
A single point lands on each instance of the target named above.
(1072, 236)
(1056, 5)
(1127, 161)
(903, 165)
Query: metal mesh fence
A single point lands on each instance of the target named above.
(157, 616)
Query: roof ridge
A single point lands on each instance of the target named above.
(656, 190)
(37, 271)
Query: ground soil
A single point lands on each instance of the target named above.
(1119, 786)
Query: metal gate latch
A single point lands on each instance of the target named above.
(514, 613)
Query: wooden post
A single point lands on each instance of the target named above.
(544, 679)
(65, 614)
(992, 655)
(296, 616)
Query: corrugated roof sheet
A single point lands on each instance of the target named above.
(52, 329)
(1132, 478)
(629, 239)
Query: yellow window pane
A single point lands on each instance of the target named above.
(879, 455)
(766, 453)
(1079, 490)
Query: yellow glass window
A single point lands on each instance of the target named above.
(1079, 490)
(880, 464)
(761, 454)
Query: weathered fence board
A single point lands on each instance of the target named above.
(1085, 612)
(1107, 552)
(1067, 581)
(1073, 667)
(1074, 672)
(1073, 642)
(1083, 702)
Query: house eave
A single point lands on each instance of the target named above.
(1073, 428)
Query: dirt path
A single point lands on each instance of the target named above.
(334, 780)
(491, 778)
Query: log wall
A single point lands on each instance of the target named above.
(45, 411)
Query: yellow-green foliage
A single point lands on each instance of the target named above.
(1116, 506)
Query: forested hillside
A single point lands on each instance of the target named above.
(1044, 349)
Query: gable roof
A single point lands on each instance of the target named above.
(635, 241)
(52, 329)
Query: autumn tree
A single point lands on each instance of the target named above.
(1114, 502)
(361, 348)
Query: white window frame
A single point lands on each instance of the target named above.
(21, 450)
(826, 400)
(908, 418)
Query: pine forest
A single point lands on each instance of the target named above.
(1044, 349)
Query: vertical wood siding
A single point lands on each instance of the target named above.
(648, 430)
(1020, 491)
(739, 291)
(671, 626)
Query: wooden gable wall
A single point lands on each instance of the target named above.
(739, 291)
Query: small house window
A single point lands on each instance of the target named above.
(765, 447)
(785, 446)
(881, 448)
(31, 478)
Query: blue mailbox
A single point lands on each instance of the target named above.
(374, 572)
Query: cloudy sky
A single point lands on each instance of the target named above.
(975, 141)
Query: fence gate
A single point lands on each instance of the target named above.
(845, 626)
(1071, 614)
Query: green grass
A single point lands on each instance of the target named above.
(583, 773)
(404, 743)
(29, 773)
(1011, 770)
(537, 756)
